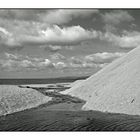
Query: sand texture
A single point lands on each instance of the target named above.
(115, 88)
(14, 99)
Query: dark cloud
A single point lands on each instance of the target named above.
(63, 16)
(56, 16)
(20, 14)
(114, 18)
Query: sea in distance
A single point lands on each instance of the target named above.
(40, 81)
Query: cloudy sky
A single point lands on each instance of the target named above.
(42, 43)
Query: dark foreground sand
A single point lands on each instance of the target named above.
(65, 118)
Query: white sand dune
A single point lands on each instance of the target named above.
(14, 99)
(115, 88)
(76, 83)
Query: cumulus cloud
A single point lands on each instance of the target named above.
(4, 31)
(18, 31)
(77, 63)
(62, 16)
(114, 18)
(104, 57)
(15, 34)
(76, 60)
(54, 38)
(126, 40)
(16, 62)
(77, 34)
(7, 40)
(60, 65)
(67, 35)
(19, 28)
(56, 48)
(13, 65)
(45, 63)
(57, 56)
(12, 56)
(95, 60)
(80, 62)
(26, 34)
(52, 48)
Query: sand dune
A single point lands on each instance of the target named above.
(115, 88)
(76, 83)
(14, 99)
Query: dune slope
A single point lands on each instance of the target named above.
(14, 99)
(115, 88)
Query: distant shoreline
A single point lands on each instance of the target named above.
(40, 81)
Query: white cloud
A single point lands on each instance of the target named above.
(16, 33)
(15, 62)
(60, 65)
(94, 60)
(55, 38)
(7, 39)
(56, 48)
(104, 57)
(45, 64)
(26, 64)
(67, 35)
(13, 65)
(126, 40)
(19, 28)
(62, 16)
(57, 56)
(52, 48)
(25, 34)
(11, 56)
(4, 31)
(76, 60)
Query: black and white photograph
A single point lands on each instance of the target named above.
(69, 69)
